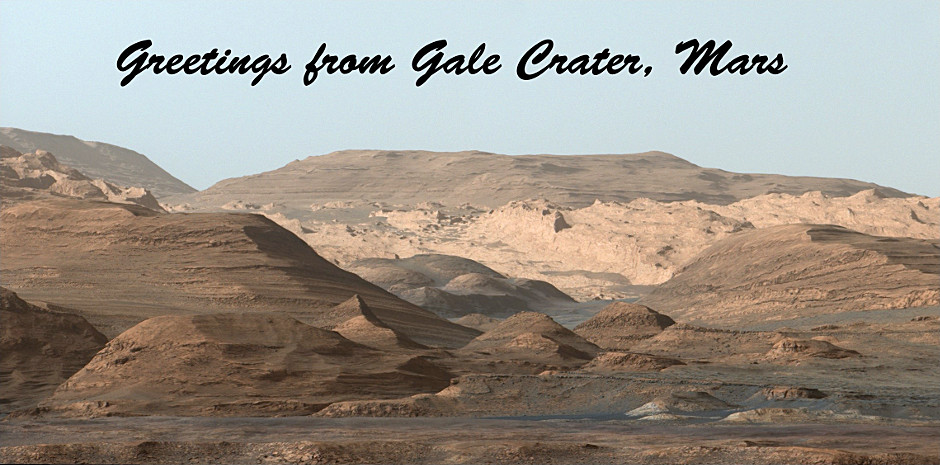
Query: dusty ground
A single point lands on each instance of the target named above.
(314, 440)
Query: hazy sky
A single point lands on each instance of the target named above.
(860, 99)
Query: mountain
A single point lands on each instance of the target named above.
(490, 180)
(119, 264)
(98, 160)
(785, 272)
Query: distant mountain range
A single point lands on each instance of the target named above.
(491, 180)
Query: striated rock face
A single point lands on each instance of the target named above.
(790, 348)
(236, 365)
(593, 226)
(871, 211)
(39, 349)
(608, 247)
(613, 362)
(522, 329)
(121, 264)
(114, 164)
(28, 176)
(620, 325)
(367, 329)
(801, 270)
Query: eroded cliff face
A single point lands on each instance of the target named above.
(601, 250)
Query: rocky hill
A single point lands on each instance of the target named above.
(120, 264)
(620, 325)
(601, 250)
(98, 160)
(454, 286)
(785, 272)
(236, 364)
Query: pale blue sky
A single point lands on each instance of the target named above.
(861, 97)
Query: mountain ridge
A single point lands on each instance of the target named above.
(490, 180)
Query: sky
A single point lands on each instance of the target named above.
(859, 99)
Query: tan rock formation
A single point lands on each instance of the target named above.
(31, 175)
(114, 164)
(620, 325)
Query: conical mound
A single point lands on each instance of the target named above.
(353, 307)
(367, 329)
(530, 323)
(620, 324)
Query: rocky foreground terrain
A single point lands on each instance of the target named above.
(782, 320)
